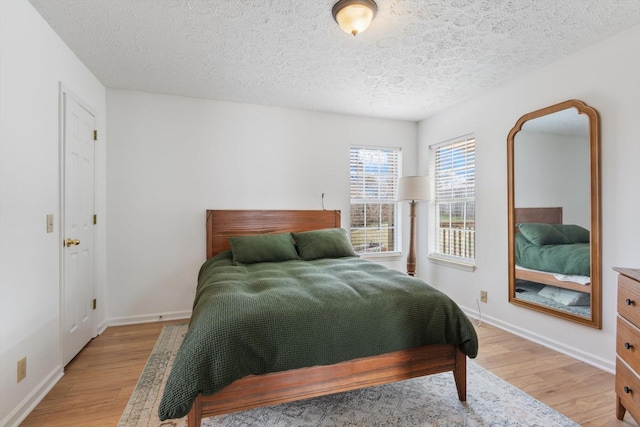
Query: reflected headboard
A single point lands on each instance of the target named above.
(222, 224)
(543, 215)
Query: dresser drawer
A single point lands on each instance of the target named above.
(628, 343)
(629, 299)
(628, 388)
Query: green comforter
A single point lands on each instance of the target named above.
(562, 259)
(269, 317)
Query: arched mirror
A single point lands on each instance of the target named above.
(554, 212)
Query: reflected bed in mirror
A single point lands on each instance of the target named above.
(552, 261)
(554, 205)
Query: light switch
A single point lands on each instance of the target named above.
(50, 223)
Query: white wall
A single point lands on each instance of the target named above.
(33, 62)
(171, 158)
(605, 76)
(553, 170)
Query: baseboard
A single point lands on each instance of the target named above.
(30, 402)
(101, 327)
(588, 358)
(147, 318)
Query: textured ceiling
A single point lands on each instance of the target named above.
(417, 57)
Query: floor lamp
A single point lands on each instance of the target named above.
(413, 188)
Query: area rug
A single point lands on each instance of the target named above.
(426, 401)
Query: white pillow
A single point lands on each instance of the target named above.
(565, 296)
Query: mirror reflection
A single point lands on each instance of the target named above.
(552, 200)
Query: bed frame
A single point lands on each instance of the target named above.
(262, 390)
(548, 216)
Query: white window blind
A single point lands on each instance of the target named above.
(454, 199)
(373, 185)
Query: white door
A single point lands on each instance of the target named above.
(78, 205)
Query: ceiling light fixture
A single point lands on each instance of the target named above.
(354, 16)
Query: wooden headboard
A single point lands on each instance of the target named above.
(543, 215)
(222, 224)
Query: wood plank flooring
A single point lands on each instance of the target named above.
(98, 382)
(583, 393)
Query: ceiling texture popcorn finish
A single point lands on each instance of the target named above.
(417, 57)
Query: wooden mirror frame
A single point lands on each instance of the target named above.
(595, 321)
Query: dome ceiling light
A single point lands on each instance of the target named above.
(354, 16)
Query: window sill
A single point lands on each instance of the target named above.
(379, 255)
(453, 263)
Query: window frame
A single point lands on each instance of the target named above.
(396, 227)
(435, 255)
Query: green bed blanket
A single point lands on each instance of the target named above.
(270, 317)
(562, 259)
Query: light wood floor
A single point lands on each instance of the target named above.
(98, 382)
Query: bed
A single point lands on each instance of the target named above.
(232, 230)
(541, 223)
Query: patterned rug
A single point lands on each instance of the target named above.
(426, 401)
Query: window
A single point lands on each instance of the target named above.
(453, 205)
(374, 210)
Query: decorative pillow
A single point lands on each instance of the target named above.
(325, 243)
(542, 234)
(575, 233)
(262, 248)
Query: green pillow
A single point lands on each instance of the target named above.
(325, 243)
(542, 234)
(575, 233)
(262, 248)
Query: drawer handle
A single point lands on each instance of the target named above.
(629, 301)
(627, 390)
(628, 346)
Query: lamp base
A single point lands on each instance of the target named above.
(411, 257)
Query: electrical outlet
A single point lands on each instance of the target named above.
(483, 296)
(22, 368)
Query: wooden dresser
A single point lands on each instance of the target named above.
(628, 343)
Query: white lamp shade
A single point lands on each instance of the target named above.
(413, 188)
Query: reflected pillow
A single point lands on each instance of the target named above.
(575, 233)
(325, 243)
(262, 248)
(542, 234)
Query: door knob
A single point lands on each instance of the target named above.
(71, 242)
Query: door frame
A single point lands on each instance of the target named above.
(64, 90)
